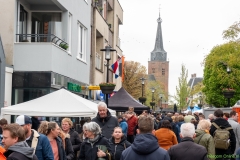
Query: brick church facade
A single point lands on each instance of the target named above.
(158, 66)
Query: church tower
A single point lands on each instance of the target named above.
(158, 64)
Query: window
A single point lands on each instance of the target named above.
(163, 71)
(69, 32)
(82, 42)
(23, 24)
(98, 61)
(153, 70)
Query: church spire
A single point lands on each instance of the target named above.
(159, 54)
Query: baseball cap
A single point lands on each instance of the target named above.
(23, 119)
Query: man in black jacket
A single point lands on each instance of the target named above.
(105, 120)
(187, 149)
(15, 144)
(223, 123)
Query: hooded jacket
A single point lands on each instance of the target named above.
(206, 140)
(20, 151)
(118, 148)
(223, 123)
(107, 124)
(145, 146)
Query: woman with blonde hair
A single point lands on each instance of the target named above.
(118, 143)
(52, 130)
(67, 127)
(203, 136)
(67, 145)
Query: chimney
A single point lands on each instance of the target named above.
(194, 75)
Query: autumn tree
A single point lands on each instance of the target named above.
(216, 76)
(232, 32)
(133, 71)
(182, 90)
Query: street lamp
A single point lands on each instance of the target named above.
(229, 93)
(107, 51)
(152, 103)
(142, 99)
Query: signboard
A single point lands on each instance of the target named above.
(73, 87)
(94, 87)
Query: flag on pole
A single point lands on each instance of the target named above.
(123, 58)
(117, 68)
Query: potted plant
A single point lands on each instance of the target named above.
(228, 92)
(107, 87)
(142, 99)
(63, 46)
(100, 9)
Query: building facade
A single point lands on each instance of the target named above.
(159, 66)
(107, 15)
(47, 43)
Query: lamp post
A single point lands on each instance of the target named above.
(152, 103)
(161, 109)
(107, 51)
(142, 99)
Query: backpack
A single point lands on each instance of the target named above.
(221, 137)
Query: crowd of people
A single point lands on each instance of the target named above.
(174, 136)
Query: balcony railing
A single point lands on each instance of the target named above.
(40, 38)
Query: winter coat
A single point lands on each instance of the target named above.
(223, 123)
(69, 149)
(61, 151)
(187, 150)
(123, 124)
(175, 128)
(145, 147)
(75, 141)
(20, 151)
(43, 149)
(89, 149)
(118, 148)
(2, 150)
(206, 141)
(132, 123)
(236, 129)
(166, 138)
(107, 124)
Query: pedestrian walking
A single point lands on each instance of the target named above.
(123, 124)
(145, 145)
(39, 142)
(204, 138)
(221, 123)
(15, 144)
(105, 120)
(3, 123)
(52, 130)
(132, 123)
(95, 145)
(187, 149)
(118, 143)
(67, 145)
(166, 137)
(67, 127)
(233, 121)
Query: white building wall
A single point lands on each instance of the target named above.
(8, 86)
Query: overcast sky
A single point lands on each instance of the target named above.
(190, 29)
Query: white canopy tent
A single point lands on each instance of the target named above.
(61, 103)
